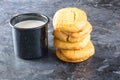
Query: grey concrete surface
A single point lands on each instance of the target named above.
(104, 15)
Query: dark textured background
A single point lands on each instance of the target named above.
(104, 15)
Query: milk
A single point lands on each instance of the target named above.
(29, 24)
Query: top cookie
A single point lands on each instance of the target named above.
(69, 19)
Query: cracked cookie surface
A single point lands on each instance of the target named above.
(73, 37)
(69, 19)
(68, 45)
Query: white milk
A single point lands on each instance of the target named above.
(29, 24)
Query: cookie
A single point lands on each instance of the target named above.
(85, 30)
(61, 57)
(76, 55)
(68, 45)
(69, 19)
(73, 37)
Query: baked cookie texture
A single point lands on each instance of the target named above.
(74, 55)
(72, 37)
(69, 19)
(68, 45)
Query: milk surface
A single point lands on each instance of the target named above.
(29, 24)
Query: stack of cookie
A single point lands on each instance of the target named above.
(72, 35)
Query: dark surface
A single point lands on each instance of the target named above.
(104, 15)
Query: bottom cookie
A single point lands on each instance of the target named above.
(76, 55)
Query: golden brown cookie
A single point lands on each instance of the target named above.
(76, 55)
(61, 57)
(73, 37)
(68, 45)
(69, 19)
(85, 30)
